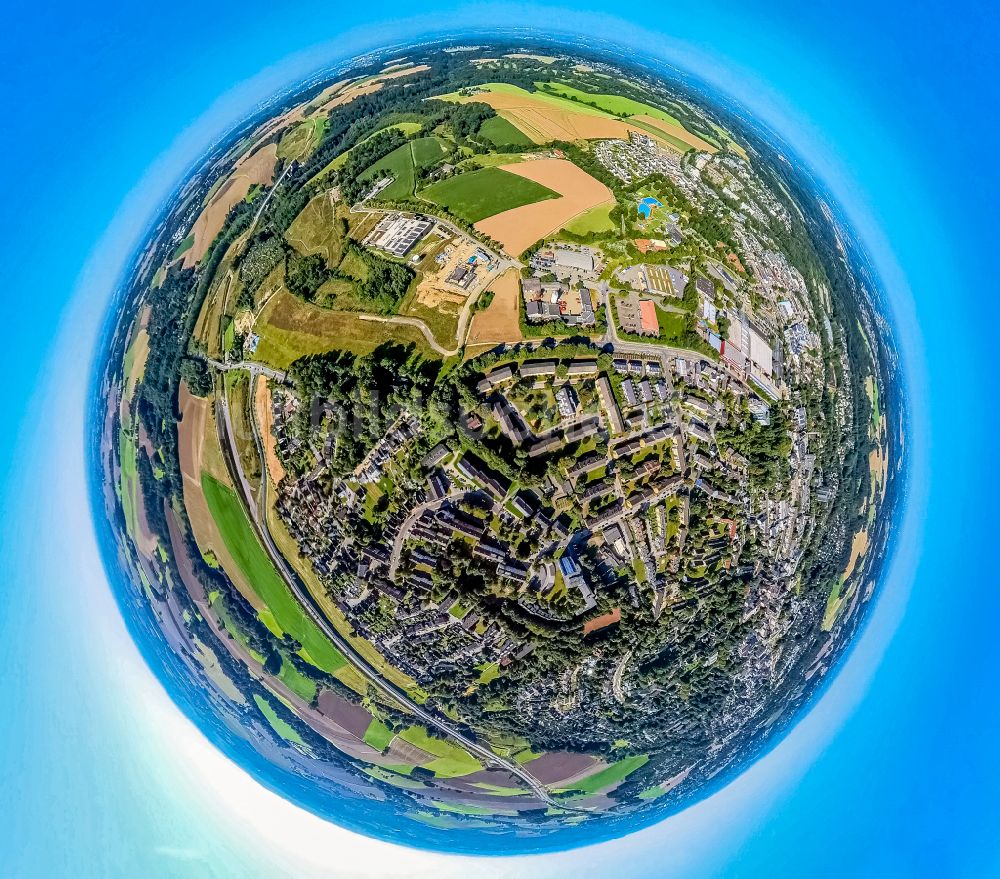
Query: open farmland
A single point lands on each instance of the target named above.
(488, 191)
(502, 132)
(407, 128)
(299, 141)
(656, 121)
(281, 608)
(519, 228)
(401, 164)
(616, 105)
(257, 168)
(197, 423)
(544, 118)
(498, 322)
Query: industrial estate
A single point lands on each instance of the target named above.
(500, 441)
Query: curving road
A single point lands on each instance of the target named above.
(411, 322)
(309, 604)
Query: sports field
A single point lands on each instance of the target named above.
(484, 193)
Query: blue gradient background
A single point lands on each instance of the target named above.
(895, 770)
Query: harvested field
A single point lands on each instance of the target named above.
(562, 766)
(196, 420)
(265, 418)
(498, 322)
(367, 87)
(545, 118)
(257, 168)
(544, 59)
(859, 546)
(519, 228)
(352, 717)
(678, 132)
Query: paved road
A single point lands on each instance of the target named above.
(503, 263)
(404, 529)
(310, 606)
(411, 322)
(252, 367)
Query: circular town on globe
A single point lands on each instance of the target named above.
(498, 444)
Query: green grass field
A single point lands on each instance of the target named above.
(378, 735)
(480, 194)
(401, 163)
(452, 760)
(609, 776)
(129, 481)
(616, 105)
(407, 128)
(182, 248)
(597, 219)
(489, 160)
(428, 151)
(299, 141)
(500, 132)
(297, 682)
(253, 561)
(280, 726)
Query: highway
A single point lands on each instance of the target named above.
(307, 601)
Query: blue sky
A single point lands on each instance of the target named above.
(894, 773)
